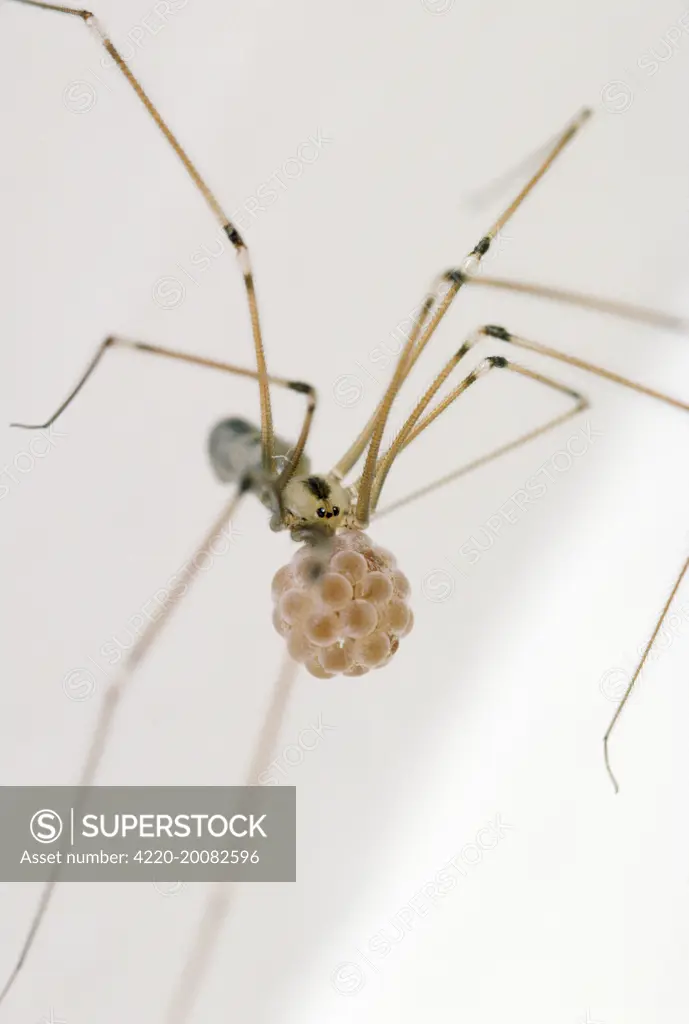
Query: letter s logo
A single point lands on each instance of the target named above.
(46, 826)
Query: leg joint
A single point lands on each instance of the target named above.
(491, 331)
(481, 247)
(304, 389)
(234, 236)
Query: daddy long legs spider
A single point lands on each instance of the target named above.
(310, 504)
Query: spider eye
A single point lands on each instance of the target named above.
(336, 510)
(320, 513)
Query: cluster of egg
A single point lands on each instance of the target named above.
(351, 617)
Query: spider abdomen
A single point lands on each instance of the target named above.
(234, 449)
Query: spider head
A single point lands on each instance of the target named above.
(316, 501)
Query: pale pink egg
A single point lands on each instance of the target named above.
(342, 611)
(322, 628)
(376, 588)
(336, 590)
(359, 618)
(295, 605)
(371, 651)
(337, 659)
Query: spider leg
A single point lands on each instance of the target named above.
(415, 425)
(491, 331)
(267, 437)
(113, 697)
(455, 280)
(417, 422)
(595, 303)
(637, 672)
(356, 450)
(502, 335)
(218, 903)
(296, 451)
(117, 688)
(449, 478)
(581, 364)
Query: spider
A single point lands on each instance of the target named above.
(342, 603)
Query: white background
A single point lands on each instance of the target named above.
(497, 702)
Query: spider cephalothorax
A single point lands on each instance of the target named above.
(316, 501)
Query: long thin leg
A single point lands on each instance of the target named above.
(496, 187)
(407, 435)
(157, 350)
(356, 450)
(611, 307)
(637, 673)
(449, 478)
(581, 364)
(595, 303)
(267, 438)
(113, 697)
(416, 422)
(470, 265)
(501, 334)
(219, 901)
